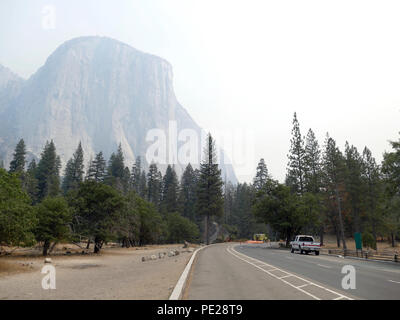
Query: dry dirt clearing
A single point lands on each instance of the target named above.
(118, 273)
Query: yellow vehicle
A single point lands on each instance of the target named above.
(260, 237)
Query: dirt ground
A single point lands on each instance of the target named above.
(117, 273)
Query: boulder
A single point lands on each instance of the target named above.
(171, 254)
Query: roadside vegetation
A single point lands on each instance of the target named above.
(326, 192)
(110, 202)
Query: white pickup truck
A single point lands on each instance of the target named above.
(305, 244)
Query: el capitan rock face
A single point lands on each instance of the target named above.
(95, 90)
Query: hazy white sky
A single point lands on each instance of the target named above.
(245, 64)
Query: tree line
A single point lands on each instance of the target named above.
(106, 202)
(330, 191)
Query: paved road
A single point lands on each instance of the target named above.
(228, 271)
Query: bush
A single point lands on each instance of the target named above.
(368, 240)
(54, 218)
(181, 229)
(17, 216)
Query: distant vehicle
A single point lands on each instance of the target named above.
(260, 237)
(305, 244)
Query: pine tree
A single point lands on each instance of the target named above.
(154, 184)
(31, 183)
(18, 162)
(170, 190)
(48, 172)
(74, 170)
(209, 192)
(187, 193)
(354, 184)
(116, 169)
(312, 164)
(242, 215)
(228, 202)
(391, 204)
(143, 185)
(262, 176)
(97, 169)
(333, 175)
(374, 192)
(126, 180)
(296, 170)
(136, 174)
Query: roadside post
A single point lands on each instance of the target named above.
(358, 240)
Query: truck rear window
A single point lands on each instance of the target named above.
(306, 239)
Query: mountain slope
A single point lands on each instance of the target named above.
(95, 90)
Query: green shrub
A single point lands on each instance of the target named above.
(181, 229)
(368, 240)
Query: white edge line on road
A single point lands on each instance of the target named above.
(298, 288)
(289, 275)
(178, 290)
(394, 281)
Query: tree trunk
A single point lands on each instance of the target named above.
(208, 229)
(374, 235)
(287, 241)
(321, 236)
(88, 244)
(97, 245)
(52, 247)
(340, 219)
(335, 228)
(46, 246)
(392, 236)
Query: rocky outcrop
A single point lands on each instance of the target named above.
(95, 90)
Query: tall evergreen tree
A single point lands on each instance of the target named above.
(187, 193)
(209, 192)
(154, 184)
(262, 176)
(296, 170)
(312, 164)
(391, 171)
(374, 192)
(333, 175)
(30, 182)
(229, 191)
(242, 215)
(18, 162)
(170, 190)
(73, 175)
(116, 169)
(354, 185)
(48, 172)
(97, 169)
(143, 185)
(136, 174)
(126, 180)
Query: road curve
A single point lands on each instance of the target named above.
(240, 272)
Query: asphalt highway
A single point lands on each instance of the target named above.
(246, 271)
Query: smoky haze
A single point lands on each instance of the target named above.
(244, 64)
